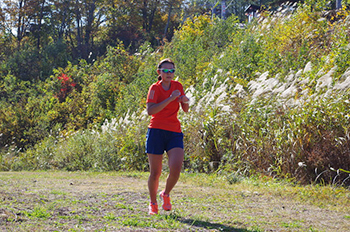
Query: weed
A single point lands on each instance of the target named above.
(38, 212)
(110, 216)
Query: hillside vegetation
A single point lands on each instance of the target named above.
(271, 99)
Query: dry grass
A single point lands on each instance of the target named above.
(116, 201)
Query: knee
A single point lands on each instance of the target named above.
(155, 175)
(175, 167)
(175, 170)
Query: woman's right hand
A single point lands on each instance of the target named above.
(175, 94)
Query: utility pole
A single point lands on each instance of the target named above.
(338, 4)
(223, 9)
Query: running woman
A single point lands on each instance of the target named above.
(164, 132)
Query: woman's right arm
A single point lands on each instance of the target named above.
(153, 108)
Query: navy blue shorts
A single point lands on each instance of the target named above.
(158, 141)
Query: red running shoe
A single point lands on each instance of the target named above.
(152, 208)
(166, 201)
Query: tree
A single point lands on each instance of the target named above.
(135, 22)
(171, 4)
(19, 14)
(61, 18)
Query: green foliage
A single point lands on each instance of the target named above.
(195, 44)
(24, 63)
(293, 142)
(270, 98)
(30, 64)
(53, 56)
(101, 149)
(70, 99)
(243, 56)
(38, 212)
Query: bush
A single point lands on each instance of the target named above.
(116, 145)
(197, 42)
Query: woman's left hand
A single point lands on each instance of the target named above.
(183, 99)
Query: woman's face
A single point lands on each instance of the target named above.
(166, 71)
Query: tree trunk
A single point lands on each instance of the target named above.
(90, 19)
(39, 23)
(144, 16)
(62, 27)
(151, 17)
(78, 20)
(20, 24)
(169, 16)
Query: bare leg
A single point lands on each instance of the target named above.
(176, 158)
(155, 165)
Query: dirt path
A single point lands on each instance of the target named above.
(62, 201)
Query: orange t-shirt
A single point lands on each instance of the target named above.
(166, 119)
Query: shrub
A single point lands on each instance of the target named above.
(195, 44)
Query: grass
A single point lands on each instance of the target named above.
(117, 201)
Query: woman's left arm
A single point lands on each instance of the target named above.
(184, 103)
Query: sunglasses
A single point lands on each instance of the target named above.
(167, 70)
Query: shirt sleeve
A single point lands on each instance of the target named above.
(152, 96)
(181, 88)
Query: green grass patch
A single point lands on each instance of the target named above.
(201, 202)
(38, 212)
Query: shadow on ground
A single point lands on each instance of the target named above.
(207, 225)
